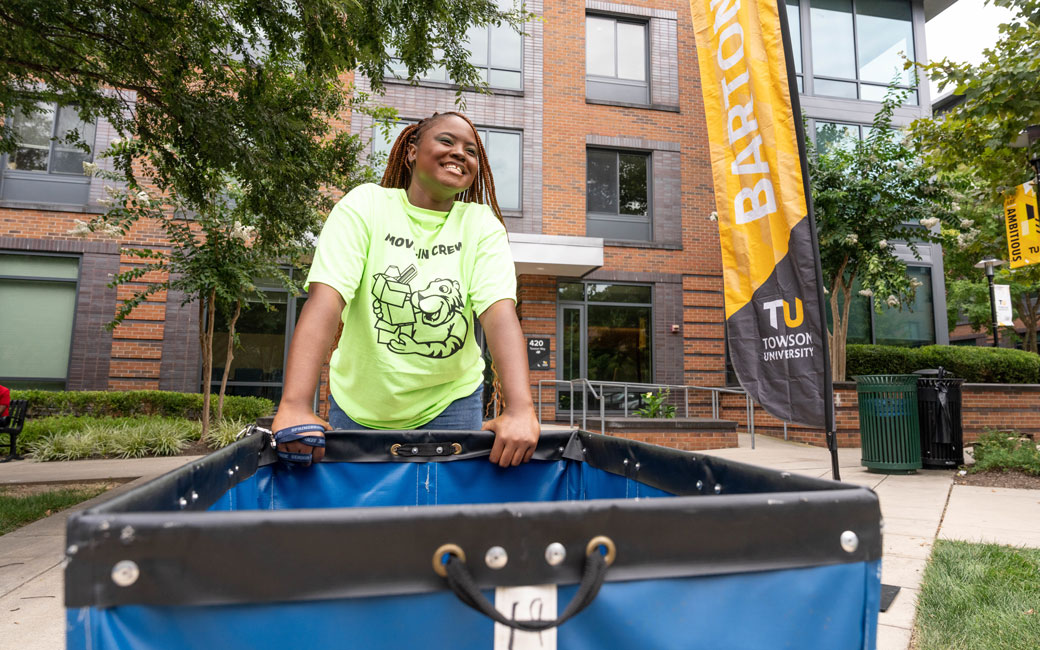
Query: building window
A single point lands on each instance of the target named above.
(504, 151)
(616, 55)
(836, 134)
(263, 336)
(41, 141)
(912, 326)
(795, 23)
(858, 47)
(605, 333)
(497, 51)
(618, 195)
(36, 317)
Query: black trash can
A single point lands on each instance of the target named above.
(939, 414)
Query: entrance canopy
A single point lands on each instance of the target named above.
(555, 254)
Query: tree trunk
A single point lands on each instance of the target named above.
(1027, 309)
(840, 320)
(206, 340)
(228, 359)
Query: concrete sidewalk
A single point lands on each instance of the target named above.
(913, 508)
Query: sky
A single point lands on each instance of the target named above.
(962, 31)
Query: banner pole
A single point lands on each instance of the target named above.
(796, 106)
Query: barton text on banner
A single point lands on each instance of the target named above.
(774, 321)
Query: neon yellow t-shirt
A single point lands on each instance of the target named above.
(412, 280)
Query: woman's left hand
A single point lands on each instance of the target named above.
(516, 435)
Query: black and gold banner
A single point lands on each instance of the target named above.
(771, 268)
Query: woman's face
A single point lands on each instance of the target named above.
(445, 158)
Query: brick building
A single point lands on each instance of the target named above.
(597, 139)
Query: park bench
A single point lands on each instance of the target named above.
(12, 426)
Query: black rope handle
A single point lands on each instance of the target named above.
(593, 574)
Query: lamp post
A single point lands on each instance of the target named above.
(989, 263)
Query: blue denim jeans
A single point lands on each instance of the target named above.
(464, 414)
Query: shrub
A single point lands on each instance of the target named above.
(973, 364)
(44, 403)
(1006, 450)
(115, 438)
(223, 433)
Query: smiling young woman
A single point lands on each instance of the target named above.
(404, 266)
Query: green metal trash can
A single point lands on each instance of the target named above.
(889, 435)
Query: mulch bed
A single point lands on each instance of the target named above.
(991, 478)
(196, 448)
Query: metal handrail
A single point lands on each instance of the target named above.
(715, 391)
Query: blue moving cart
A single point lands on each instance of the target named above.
(414, 540)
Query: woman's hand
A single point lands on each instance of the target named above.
(516, 435)
(516, 430)
(290, 417)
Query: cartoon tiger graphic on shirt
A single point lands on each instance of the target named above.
(430, 322)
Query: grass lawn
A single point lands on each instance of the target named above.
(979, 596)
(17, 510)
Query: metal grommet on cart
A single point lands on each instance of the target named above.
(438, 565)
(456, 449)
(394, 448)
(605, 542)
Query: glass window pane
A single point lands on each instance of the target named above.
(260, 352)
(599, 47)
(36, 328)
(884, 33)
(833, 49)
(503, 150)
(832, 134)
(39, 266)
(68, 121)
(618, 343)
(632, 182)
(914, 325)
(631, 39)
(505, 79)
(619, 293)
(478, 45)
(796, 34)
(381, 144)
(601, 185)
(29, 159)
(571, 291)
(35, 129)
(506, 47)
(834, 88)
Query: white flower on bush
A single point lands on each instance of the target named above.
(852, 238)
(115, 143)
(929, 222)
(90, 169)
(243, 233)
(113, 192)
(892, 301)
(866, 293)
(81, 229)
(143, 198)
(883, 244)
(714, 216)
(914, 282)
(111, 230)
(967, 223)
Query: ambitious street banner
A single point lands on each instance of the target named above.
(1022, 222)
(771, 268)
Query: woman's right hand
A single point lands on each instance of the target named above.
(289, 417)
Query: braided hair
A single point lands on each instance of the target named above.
(399, 173)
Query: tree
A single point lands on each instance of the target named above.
(1001, 96)
(971, 144)
(247, 92)
(982, 234)
(867, 195)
